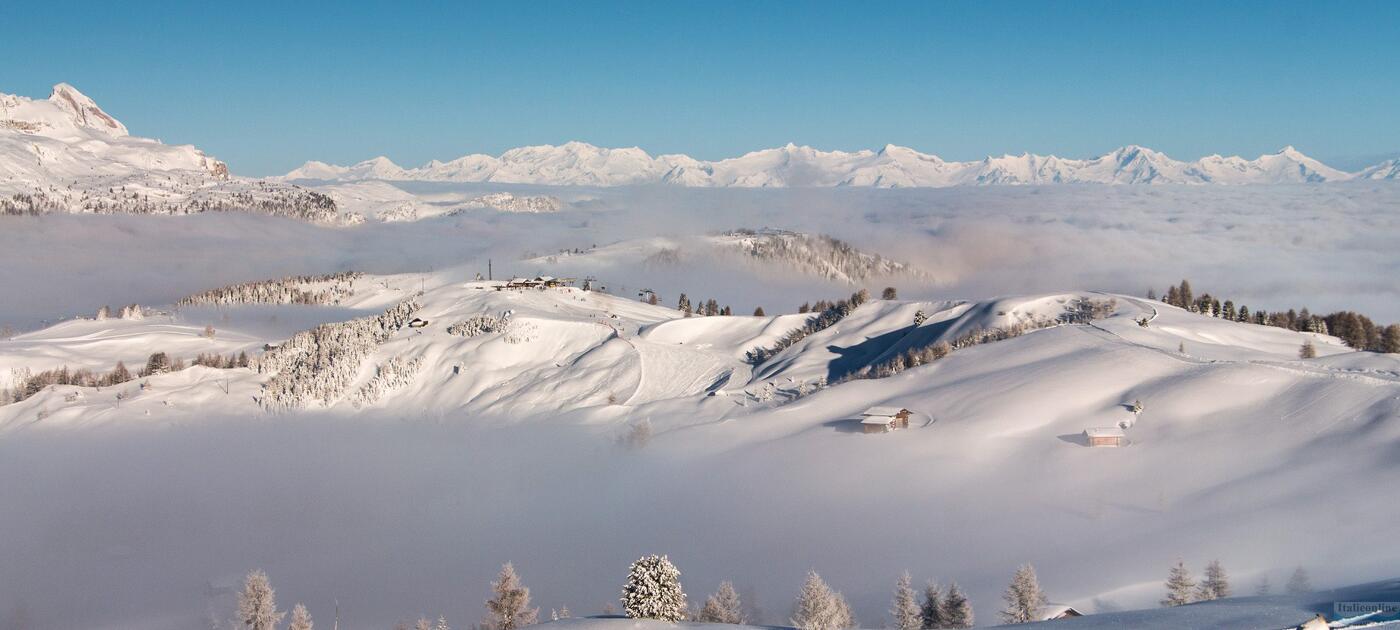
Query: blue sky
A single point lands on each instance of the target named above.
(266, 86)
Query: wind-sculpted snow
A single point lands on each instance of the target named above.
(319, 364)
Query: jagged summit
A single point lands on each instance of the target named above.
(795, 165)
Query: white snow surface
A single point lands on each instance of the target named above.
(506, 446)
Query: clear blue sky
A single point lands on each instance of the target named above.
(268, 86)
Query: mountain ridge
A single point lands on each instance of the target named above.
(892, 166)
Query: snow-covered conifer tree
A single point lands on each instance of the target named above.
(442, 623)
(1298, 583)
(423, 623)
(1179, 586)
(653, 590)
(1023, 597)
(301, 619)
(1307, 351)
(905, 609)
(723, 607)
(931, 612)
(1215, 585)
(957, 611)
(257, 604)
(509, 608)
(816, 607)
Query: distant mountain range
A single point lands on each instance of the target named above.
(82, 159)
(578, 163)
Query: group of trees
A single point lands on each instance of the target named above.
(177, 195)
(25, 383)
(937, 610)
(319, 364)
(316, 289)
(480, 325)
(388, 376)
(1182, 588)
(815, 254)
(707, 307)
(828, 314)
(1356, 330)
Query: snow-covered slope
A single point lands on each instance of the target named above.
(65, 154)
(1238, 437)
(578, 163)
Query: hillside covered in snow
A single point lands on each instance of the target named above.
(692, 432)
(582, 164)
(64, 154)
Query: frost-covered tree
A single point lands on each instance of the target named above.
(1179, 586)
(817, 606)
(1307, 351)
(301, 619)
(442, 623)
(905, 608)
(1298, 583)
(931, 611)
(257, 603)
(1215, 585)
(723, 607)
(1023, 597)
(653, 590)
(209, 331)
(890, 293)
(957, 610)
(423, 623)
(509, 607)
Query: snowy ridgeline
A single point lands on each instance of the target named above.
(320, 289)
(317, 365)
(507, 202)
(816, 254)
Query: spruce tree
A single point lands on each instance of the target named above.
(257, 604)
(931, 612)
(509, 608)
(301, 619)
(758, 312)
(956, 610)
(1298, 583)
(1307, 351)
(723, 607)
(1184, 294)
(653, 590)
(816, 607)
(890, 293)
(1215, 585)
(905, 609)
(1179, 586)
(1263, 588)
(1023, 597)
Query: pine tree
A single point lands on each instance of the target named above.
(257, 604)
(1151, 293)
(653, 590)
(301, 620)
(816, 607)
(1298, 583)
(723, 607)
(1184, 294)
(1023, 597)
(510, 608)
(1179, 586)
(845, 617)
(905, 609)
(1263, 589)
(1307, 351)
(931, 611)
(957, 611)
(758, 312)
(890, 293)
(1173, 296)
(1215, 585)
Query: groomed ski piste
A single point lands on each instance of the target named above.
(1236, 435)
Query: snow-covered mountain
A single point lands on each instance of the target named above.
(66, 154)
(1389, 169)
(578, 163)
